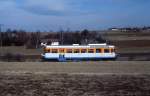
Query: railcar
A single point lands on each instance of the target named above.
(78, 52)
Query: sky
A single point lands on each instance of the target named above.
(46, 15)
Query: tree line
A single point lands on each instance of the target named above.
(34, 39)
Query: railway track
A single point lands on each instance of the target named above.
(133, 54)
(120, 57)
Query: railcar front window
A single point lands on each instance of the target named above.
(112, 50)
(45, 50)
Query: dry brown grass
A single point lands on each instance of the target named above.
(75, 78)
(117, 67)
(20, 50)
(74, 85)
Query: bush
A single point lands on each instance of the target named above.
(9, 57)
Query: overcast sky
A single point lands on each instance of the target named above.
(47, 15)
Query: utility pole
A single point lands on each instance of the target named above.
(1, 38)
(1, 35)
(61, 39)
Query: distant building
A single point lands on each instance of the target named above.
(49, 41)
(114, 29)
(146, 28)
(133, 29)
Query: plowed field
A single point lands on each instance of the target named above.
(75, 79)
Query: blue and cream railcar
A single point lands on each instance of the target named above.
(79, 52)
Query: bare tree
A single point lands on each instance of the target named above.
(34, 40)
(38, 36)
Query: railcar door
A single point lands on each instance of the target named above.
(62, 54)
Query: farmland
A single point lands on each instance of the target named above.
(74, 85)
(101, 78)
(75, 78)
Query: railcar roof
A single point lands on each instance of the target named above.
(80, 46)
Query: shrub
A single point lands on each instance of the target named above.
(9, 57)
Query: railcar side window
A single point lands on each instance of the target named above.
(54, 51)
(83, 51)
(91, 51)
(106, 50)
(76, 51)
(69, 50)
(98, 50)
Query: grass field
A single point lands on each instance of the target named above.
(20, 50)
(77, 67)
(75, 78)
